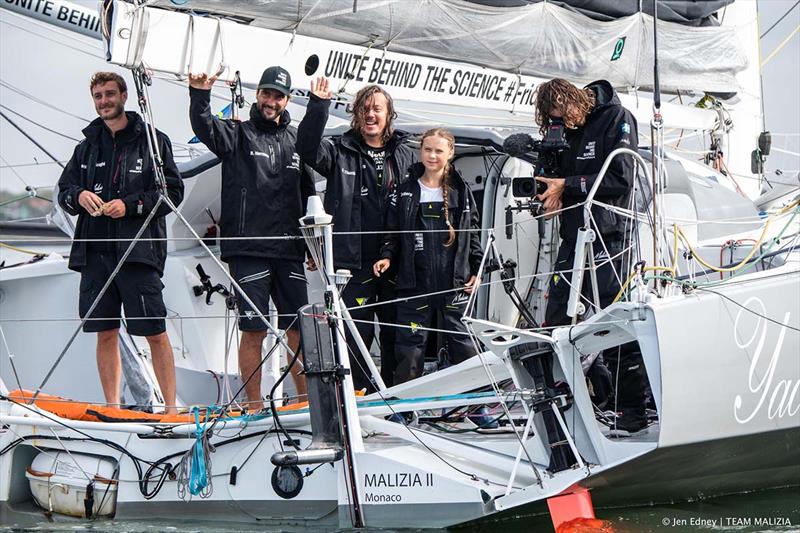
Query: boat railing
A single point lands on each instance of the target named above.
(584, 247)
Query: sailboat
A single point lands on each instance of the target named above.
(711, 306)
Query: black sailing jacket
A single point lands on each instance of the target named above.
(403, 216)
(137, 188)
(609, 126)
(340, 162)
(264, 184)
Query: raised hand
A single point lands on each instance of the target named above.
(320, 88)
(202, 81)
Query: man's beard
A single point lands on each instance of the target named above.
(117, 109)
(377, 133)
(275, 112)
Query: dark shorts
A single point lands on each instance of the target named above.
(136, 288)
(260, 278)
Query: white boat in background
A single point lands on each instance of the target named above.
(717, 322)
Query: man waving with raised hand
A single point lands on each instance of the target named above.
(264, 191)
(361, 167)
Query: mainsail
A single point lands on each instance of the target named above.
(539, 39)
(173, 42)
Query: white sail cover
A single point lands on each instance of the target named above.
(540, 39)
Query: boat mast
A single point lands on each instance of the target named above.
(656, 137)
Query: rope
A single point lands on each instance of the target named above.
(679, 234)
(780, 46)
(22, 250)
(741, 266)
(197, 462)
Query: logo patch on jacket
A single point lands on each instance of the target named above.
(98, 188)
(364, 190)
(588, 151)
(419, 242)
(138, 168)
(460, 298)
(295, 162)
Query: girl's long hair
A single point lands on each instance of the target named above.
(451, 141)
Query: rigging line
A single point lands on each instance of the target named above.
(411, 430)
(31, 139)
(302, 18)
(86, 52)
(779, 20)
(27, 185)
(512, 329)
(780, 46)
(398, 325)
(253, 238)
(24, 165)
(621, 211)
(20, 115)
(62, 32)
(17, 220)
(39, 101)
(774, 149)
(772, 180)
(506, 410)
(726, 297)
(347, 11)
(102, 291)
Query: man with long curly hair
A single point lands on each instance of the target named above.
(360, 167)
(595, 124)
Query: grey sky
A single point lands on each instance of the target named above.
(53, 66)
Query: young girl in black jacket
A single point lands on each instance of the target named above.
(430, 255)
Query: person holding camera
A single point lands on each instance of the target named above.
(595, 124)
(264, 191)
(360, 167)
(111, 185)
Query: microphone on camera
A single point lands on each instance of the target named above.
(518, 145)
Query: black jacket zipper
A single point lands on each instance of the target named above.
(242, 207)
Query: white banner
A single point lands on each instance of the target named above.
(179, 43)
(59, 13)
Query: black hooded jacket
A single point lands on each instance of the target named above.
(609, 126)
(264, 184)
(136, 187)
(399, 243)
(341, 162)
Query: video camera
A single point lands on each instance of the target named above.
(545, 156)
